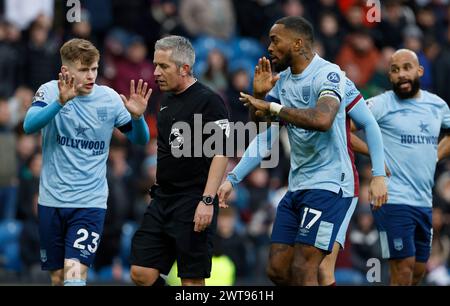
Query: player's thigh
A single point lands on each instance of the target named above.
(286, 223)
(84, 230)
(151, 247)
(321, 214)
(341, 235)
(329, 262)
(396, 226)
(51, 238)
(423, 234)
(74, 270)
(280, 258)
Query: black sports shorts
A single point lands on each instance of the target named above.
(167, 234)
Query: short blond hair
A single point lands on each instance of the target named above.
(79, 50)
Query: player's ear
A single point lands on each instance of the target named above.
(64, 69)
(420, 71)
(298, 43)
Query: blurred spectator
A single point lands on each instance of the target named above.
(42, 54)
(82, 29)
(429, 23)
(292, 8)
(442, 70)
(130, 14)
(379, 82)
(213, 18)
(316, 8)
(257, 184)
(358, 57)
(354, 18)
(441, 197)
(440, 250)
(29, 245)
(119, 206)
(29, 187)
(216, 73)
(19, 104)
(8, 165)
(393, 20)
(23, 12)
(134, 66)
(255, 17)
(240, 82)
(413, 40)
(26, 148)
(101, 23)
(231, 243)
(163, 19)
(331, 35)
(364, 239)
(9, 62)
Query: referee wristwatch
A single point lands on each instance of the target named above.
(207, 199)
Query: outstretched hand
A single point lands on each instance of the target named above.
(263, 80)
(67, 88)
(223, 193)
(262, 108)
(137, 103)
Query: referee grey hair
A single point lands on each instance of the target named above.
(182, 50)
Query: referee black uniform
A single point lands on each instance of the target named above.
(167, 231)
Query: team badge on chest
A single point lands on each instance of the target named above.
(102, 113)
(306, 93)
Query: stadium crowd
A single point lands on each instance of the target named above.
(228, 37)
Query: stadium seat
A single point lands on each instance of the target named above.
(248, 48)
(204, 44)
(243, 63)
(200, 66)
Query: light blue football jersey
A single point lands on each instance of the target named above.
(410, 130)
(75, 146)
(319, 160)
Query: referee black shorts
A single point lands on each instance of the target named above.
(167, 234)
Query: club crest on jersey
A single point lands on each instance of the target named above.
(306, 93)
(176, 139)
(333, 77)
(102, 113)
(398, 244)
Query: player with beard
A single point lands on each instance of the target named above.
(410, 120)
(309, 95)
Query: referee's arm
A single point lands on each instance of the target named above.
(216, 173)
(204, 213)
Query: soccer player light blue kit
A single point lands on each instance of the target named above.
(410, 130)
(356, 109)
(73, 189)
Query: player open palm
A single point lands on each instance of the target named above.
(137, 103)
(67, 88)
(263, 80)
